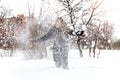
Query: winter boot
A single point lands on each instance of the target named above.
(65, 67)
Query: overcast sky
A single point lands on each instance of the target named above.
(113, 14)
(21, 6)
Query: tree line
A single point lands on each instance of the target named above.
(17, 32)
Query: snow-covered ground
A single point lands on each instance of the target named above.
(106, 67)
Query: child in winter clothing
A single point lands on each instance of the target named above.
(60, 46)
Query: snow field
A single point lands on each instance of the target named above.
(106, 67)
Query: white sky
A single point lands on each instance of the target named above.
(113, 14)
(21, 6)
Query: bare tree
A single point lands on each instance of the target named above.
(116, 44)
(107, 31)
(93, 25)
(31, 12)
(7, 32)
(79, 14)
(94, 38)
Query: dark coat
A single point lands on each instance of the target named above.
(60, 39)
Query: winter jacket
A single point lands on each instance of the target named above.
(60, 37)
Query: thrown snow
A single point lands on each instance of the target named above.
(106, 67)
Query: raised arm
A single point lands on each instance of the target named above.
(47, 36)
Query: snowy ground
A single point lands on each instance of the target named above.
(106, 67)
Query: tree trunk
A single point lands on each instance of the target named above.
(79, 47)
(94, 48)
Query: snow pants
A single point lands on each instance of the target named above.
(60, 56)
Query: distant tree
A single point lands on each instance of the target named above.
(6, 32)
(107, 32)
(116, 45)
